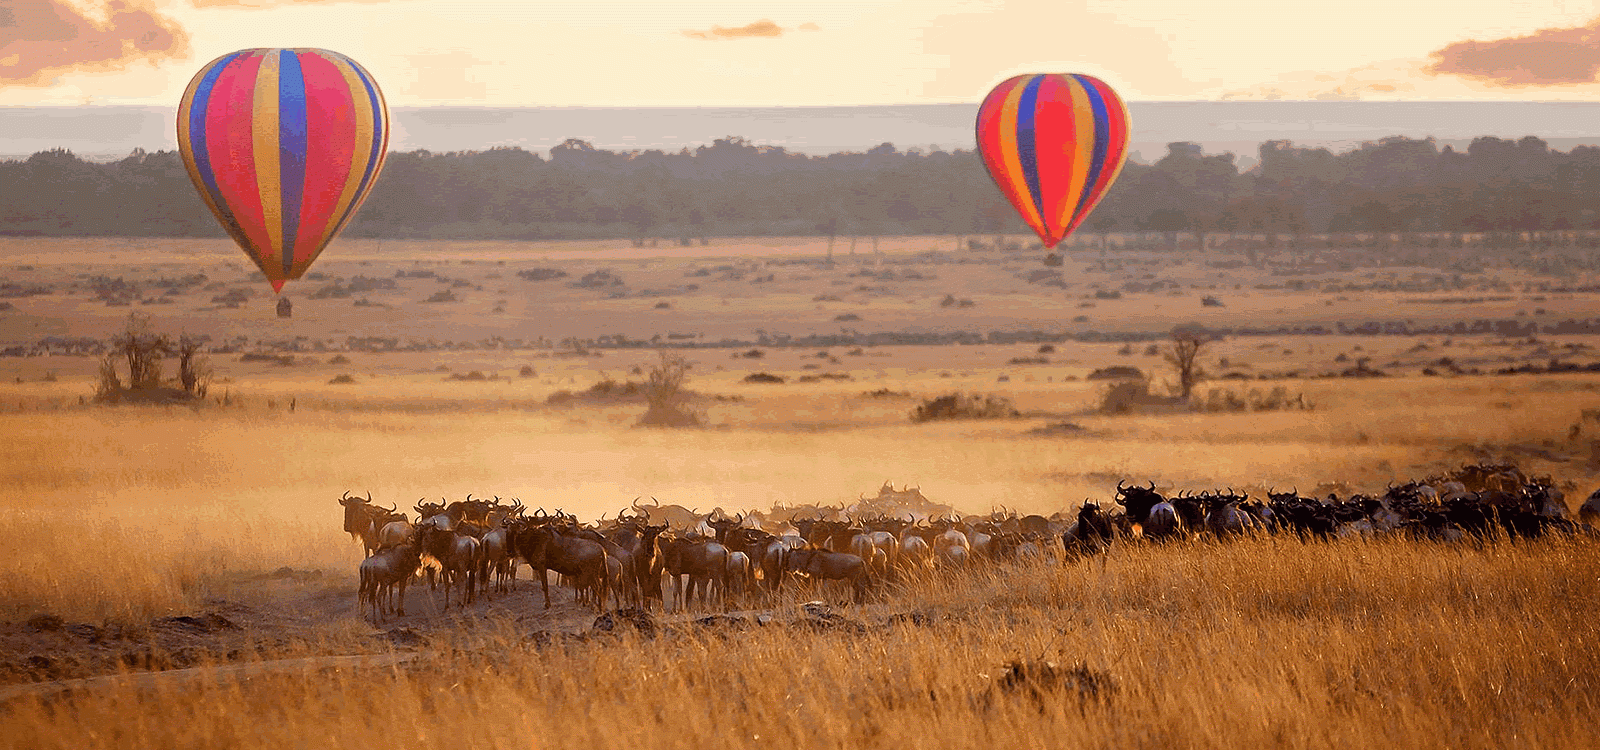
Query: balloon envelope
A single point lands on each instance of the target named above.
(1054, 143)
(283, 145)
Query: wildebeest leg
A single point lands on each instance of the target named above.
(544, 579)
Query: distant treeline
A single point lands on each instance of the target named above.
(737, 188)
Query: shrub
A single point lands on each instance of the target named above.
(341, 379)
(666, 395)
(964, 406)
(763, 377)
(1133, 396)
(1116, 372)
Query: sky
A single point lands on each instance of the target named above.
(765, 53)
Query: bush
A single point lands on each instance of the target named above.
(541, 274)
(964, 406)
(666, 395)
(1228, 400)
(763, 377)
(1132, 396)
(341, 380)
(1116, 372)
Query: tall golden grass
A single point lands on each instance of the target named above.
(1254, 643)
(124, 514)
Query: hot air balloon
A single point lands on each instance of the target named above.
(283, 145)
(1054, 143)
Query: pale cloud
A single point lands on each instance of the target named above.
(1543, 58)
(762, 28)
(44, 39)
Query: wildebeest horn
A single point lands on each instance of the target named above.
(369, 496)
(346, 499)
(1152, 485)
(657, 502)
(540, 513)
(1121, 482)
(739, 520)
(393, 508)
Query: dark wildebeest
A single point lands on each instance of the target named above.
(583, 562)
(1091, 534)
(458, 556)
(703, 561)
(820, 564)
(359, 523)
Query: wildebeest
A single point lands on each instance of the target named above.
(820, 564)
(1589, 512)
(458, 556)
(702, 561)
(384, 575)
(359, 521)
(1091, 534)
(1156, 517)
(583, 562)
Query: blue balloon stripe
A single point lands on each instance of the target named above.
(291, 148)
(197, 141)
(1027, 141)
(1102, 142)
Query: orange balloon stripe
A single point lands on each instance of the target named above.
(231, 148)
(185, 109)
(330, 113)
(1116, 148)
(269, 177)
(1056, 129)
(991, 138)
(1083, 152)
(366, 124)
(1011, 160)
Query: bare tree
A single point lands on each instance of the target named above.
(143, 349)
(194, 369)
(663, 390)
(1183, 353)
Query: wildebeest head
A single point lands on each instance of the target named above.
(1138, 500)
(356, 517)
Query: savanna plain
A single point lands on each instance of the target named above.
(202, 541)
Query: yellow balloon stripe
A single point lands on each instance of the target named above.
(269, 178)
(362, 108)
(1012, 154)
(1083, 151)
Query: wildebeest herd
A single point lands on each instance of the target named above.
(649, 551)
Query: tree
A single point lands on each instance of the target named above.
(1183, 353)
(664, 392)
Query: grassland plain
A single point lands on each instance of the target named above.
(118, 519)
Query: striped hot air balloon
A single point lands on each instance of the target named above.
(1054, 143)
(283, 145)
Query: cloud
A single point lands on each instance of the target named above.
(45, 38)
(763, 27)
(1545, 57)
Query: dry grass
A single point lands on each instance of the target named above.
(1251, 644)
(120, 515)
